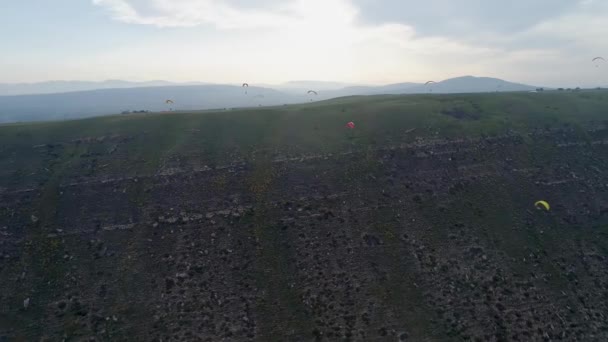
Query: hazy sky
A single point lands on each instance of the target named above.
(542, 42)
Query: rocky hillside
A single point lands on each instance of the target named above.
(281, 225)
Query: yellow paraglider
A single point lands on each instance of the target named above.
(542, 205)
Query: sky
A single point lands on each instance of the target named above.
(539, 42)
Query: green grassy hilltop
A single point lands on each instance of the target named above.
(309, 128)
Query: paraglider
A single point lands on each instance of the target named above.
(597, 61)
(245, 86)
(430, 85)
(540, 205)
(350, 125)
(169, 103)
(311, 92)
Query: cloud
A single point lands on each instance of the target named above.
(190, 13)
(585, 28)
(455, 18)
(321, 39)
(272, 40)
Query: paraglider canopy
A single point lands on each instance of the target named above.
(597, 60)
(312, 92)
(350, 125)
(542, 205)
(429, 82)
(169, 103)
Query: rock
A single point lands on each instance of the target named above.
(224, 212)
(34, 218)
(26, 303)
(209, 215)
(119, 227)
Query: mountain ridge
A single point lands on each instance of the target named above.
(63, 86)
(105, 101)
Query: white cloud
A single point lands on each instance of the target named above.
(568, 41)
(189, 13)
(324, 40)
(587, 29)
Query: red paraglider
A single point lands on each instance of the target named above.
(350, 125)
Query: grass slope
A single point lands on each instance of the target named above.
(297, 129)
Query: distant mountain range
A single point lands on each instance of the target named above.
(53, 87)
(304, 86)
(77, 99)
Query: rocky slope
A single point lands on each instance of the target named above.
(428, 239)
